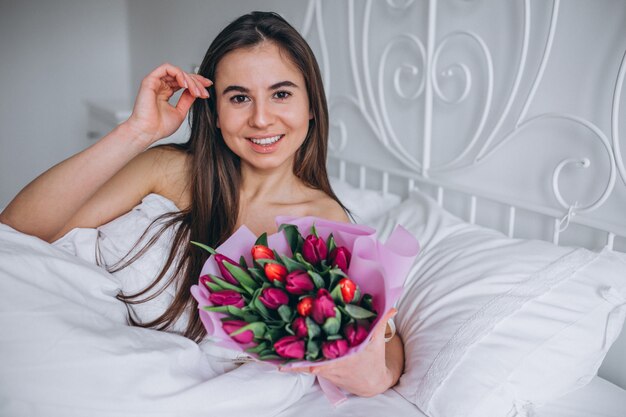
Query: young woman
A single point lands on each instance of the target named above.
(259, 127)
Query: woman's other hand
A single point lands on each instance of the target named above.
(153, 116)
(371, 371)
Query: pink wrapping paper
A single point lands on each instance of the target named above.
(378, 268)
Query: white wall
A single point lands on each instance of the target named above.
(54, 55)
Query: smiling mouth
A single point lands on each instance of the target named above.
(266, 141)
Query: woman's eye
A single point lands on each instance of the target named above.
(281, 95)
(239, 99)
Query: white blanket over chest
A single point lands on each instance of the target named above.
(66, 350)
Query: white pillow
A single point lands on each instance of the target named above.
(494, 326)
(365, 205)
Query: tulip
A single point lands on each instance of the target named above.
(314, 249)
(348, 289)
(299, 327)
(262, 252)
(227, 298)
(232, 326)
(290, 347)
(273, 298)
(275, 272)
(226, 275)
(334, 348)
(323, 306)
(299, 282)
(204, 279)
(305, 306)
(355, 334)
(340, 257)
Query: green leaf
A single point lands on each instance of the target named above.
(226, 285)
(285, 313)
(312, 327)
(301, 259)
(269, 357)
(261, 240)
(234, 311)
(205, 247)
(314, 230)
(312, 349)
(330, 243)
(216, 309)
(334, 337)
(291, 264)
(243, 263)
(317, 279)
(258, 328)
(258, 275)
(336, 294)
(332, 325)
(258, 348)
(263, 262)
(335, 275)
(273, 335)
(357, 312)
(260, 307)
(292, 235)
(366, 302)
(240, 275)
(213, 287)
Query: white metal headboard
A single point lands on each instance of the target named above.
(471, 97)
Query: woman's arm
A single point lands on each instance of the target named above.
(71, 193)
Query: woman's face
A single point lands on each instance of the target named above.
(262, 105)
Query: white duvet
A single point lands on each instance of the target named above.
(66, 350)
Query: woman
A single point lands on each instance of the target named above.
(257, 150)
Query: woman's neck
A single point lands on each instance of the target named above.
(275, 185)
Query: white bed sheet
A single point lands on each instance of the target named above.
(599, 398)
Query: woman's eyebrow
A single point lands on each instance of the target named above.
(245, 90)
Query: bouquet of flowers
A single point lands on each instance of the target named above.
(311, 292)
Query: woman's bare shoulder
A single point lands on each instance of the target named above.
(326, 207)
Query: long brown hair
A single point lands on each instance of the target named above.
(214, 174)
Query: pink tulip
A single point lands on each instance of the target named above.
(227, 298)
(234, 325)
(273, 298)
(355, 334)
(290, 347)
(225, 273)
(340, 256)
(314, 249)
(299, 282)
(323, 306)
(299, 327)
(334, 348)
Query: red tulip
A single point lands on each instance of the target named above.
(262, 252)
(275, 272)
(305, 306)
(232, 326)
(226, 275)
(299, 327)
(323, 306)
(355, 334)
(227, 298)
(273, 298)
(334, 348)
(348, 289)
(340, 257)
(314, 249)
(299, 282)
(290, 347)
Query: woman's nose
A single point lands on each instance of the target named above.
(262, 115)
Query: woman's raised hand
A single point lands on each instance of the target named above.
(153, 117)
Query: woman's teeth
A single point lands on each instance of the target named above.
(266, 141)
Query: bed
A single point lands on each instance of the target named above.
(512, 182)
